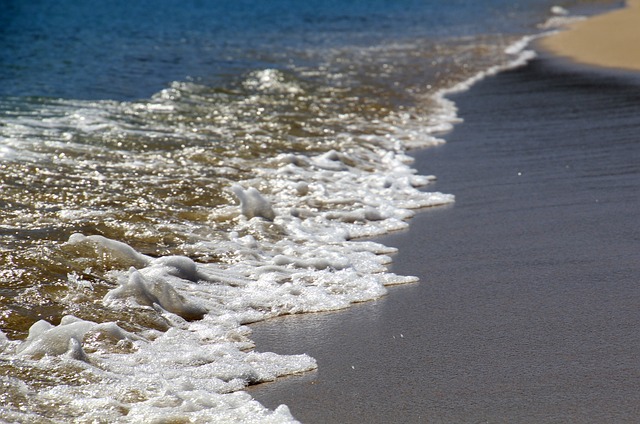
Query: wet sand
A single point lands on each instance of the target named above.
(528, 309)
(608, 40)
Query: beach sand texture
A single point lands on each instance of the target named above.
(610, 40)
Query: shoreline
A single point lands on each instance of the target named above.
(362, 376)
(608, 40)
(523, 310)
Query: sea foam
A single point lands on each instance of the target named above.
(298, 247)
(292, 238)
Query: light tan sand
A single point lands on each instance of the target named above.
(610, 40)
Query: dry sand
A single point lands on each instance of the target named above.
(610, 40)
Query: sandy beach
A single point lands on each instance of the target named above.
(528, 304)
(608, 40)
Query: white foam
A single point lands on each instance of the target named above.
(154, 293)
(559, 10)
(253, 204)
(521, 56)
(107, 247)
(271, 81)
(179, 266)
(312, 263)
(560, 21)
(189, 372)
(66, 338)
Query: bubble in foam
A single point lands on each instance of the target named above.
(179, 266)
(252, 203)
(154, 293)
(67, 338)
(117, 249)
(559, 10)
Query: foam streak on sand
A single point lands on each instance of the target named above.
(608, 40)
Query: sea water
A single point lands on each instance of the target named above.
(173, 171)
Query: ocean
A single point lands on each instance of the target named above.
(171, 172)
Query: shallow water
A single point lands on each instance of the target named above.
(172, 171)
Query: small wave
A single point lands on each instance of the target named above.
(166, 225)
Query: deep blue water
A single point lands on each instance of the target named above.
(125, 50)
